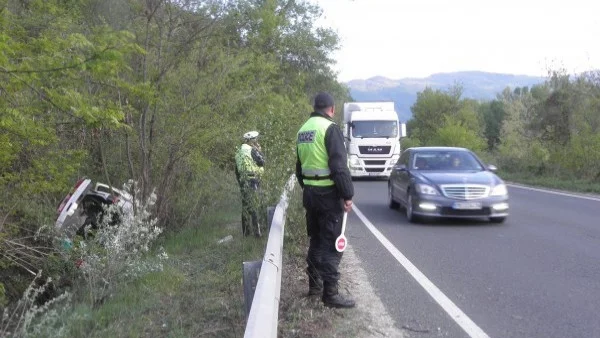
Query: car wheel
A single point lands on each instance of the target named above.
(497, 219)
(391, 203)
(410, 216)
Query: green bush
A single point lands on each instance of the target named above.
(454, 134)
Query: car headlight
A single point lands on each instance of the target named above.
(426, 189)
(354, 161)
(499, 190)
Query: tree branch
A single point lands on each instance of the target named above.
(57, 69)
(40, 94)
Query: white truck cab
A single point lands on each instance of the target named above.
(372, 131)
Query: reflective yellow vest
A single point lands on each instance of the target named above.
(245, 163)
(312, 153)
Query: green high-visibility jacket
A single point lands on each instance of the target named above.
(312, 152)
(246, 166)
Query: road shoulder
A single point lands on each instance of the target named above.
(560, 192)
(301, 316)
(370, 311)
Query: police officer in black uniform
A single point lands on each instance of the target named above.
(322, 172)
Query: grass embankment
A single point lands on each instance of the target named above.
(198, 293)
(560, 183)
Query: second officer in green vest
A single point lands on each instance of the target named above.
(322, 172)
(249, 168)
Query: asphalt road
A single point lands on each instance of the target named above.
(536, 275)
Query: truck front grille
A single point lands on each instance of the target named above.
(374, 162)
(374, 150)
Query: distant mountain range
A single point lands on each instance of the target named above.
(476, 85)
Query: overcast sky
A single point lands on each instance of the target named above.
(402, 38)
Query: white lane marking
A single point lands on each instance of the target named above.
(455, 313)
(554, 192)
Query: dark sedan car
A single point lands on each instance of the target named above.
(446, 182)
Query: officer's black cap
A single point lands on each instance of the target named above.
(323, 100)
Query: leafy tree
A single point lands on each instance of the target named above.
(453, 133)
(156, 91)
(444, 119)
(493, 116)
(430, 110)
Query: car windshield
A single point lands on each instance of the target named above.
(374, 129)
(445, 160)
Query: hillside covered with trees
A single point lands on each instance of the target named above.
(550, 130)
(476, 85)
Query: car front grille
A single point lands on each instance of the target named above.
(465, 191)
(448, 211)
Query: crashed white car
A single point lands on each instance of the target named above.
(86, 204)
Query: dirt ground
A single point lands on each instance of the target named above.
(301, 316)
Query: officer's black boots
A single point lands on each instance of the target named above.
(315, 286)
(331, 297)
(315, 283)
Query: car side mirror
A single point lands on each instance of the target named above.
(492, 167)
(400, 167)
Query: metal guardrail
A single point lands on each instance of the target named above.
(264, 312)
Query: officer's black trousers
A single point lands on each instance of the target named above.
(250, 207)
(324, 213)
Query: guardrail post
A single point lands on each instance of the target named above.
(250, 279)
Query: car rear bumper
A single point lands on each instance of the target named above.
(440, 206)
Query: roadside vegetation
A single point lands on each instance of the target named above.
(546, 135)
(157, 93)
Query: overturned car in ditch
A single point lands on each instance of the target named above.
(90, 204)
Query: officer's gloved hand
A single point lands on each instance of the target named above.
(348, 205)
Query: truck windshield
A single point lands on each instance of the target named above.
(371, 129)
